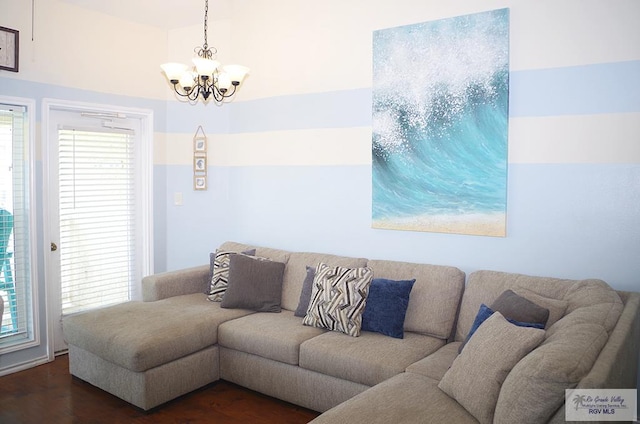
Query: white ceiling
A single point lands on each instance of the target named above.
(161, 13)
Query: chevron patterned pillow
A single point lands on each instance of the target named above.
(338, 298)
(219, 272)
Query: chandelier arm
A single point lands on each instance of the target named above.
(230, 92)
(185, 93)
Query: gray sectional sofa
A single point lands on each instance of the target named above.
(177, 340)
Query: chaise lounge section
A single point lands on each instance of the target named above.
(177, 340)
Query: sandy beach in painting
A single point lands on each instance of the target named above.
(493, 224)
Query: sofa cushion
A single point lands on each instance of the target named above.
(403, 399)
(296, 272)
(277, 255)
(338, 298)
(272, 336)
(305, 294)
(386, 306)
(476, 375)
(486, 286)
(368, 359)
(435, 296)
(438, 363)
(296, 269)
(254, 283)
(143, 335)
(556, 307)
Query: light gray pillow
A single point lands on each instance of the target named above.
(476, 375)
(254, 283)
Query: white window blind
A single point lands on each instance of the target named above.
(15, 260)
(97, 217)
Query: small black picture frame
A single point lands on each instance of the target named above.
(9, 49)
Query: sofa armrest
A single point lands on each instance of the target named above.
(617, 364)
(175, 283)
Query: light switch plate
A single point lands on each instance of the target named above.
(177, 198)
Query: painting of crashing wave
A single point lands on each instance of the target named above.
(440, 124)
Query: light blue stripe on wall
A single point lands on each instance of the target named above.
(185, 117)
(576, 90)
(39, 91)
(567, 221)
(336, 109)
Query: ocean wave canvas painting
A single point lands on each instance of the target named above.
(440, 125)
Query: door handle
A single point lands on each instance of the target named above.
(54, 247)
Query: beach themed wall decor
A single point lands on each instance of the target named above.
(199, 159)
(440, 124)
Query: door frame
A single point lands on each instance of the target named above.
(146, 181)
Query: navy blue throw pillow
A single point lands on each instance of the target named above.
(484, 313)
(386, 306)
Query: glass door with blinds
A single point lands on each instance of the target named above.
(100, 221)
(97, 217)
(18, 328)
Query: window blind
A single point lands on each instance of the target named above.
(97, 217)
(15, 260)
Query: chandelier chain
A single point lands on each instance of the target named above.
(206, 18)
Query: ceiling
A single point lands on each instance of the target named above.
(160, 13)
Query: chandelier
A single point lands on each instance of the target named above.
(209, 78)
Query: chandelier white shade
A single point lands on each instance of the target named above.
(207, 78)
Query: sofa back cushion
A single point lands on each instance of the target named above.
(534, 389)
(434, 298)
(296, 267)
(276, 255)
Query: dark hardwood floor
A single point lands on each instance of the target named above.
(49, 394)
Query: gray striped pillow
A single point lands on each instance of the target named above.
(219, 272)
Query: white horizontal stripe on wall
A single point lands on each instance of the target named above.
(318, 147)
(332, 38)
(552, 34)
(159, 147)
(606, 138)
